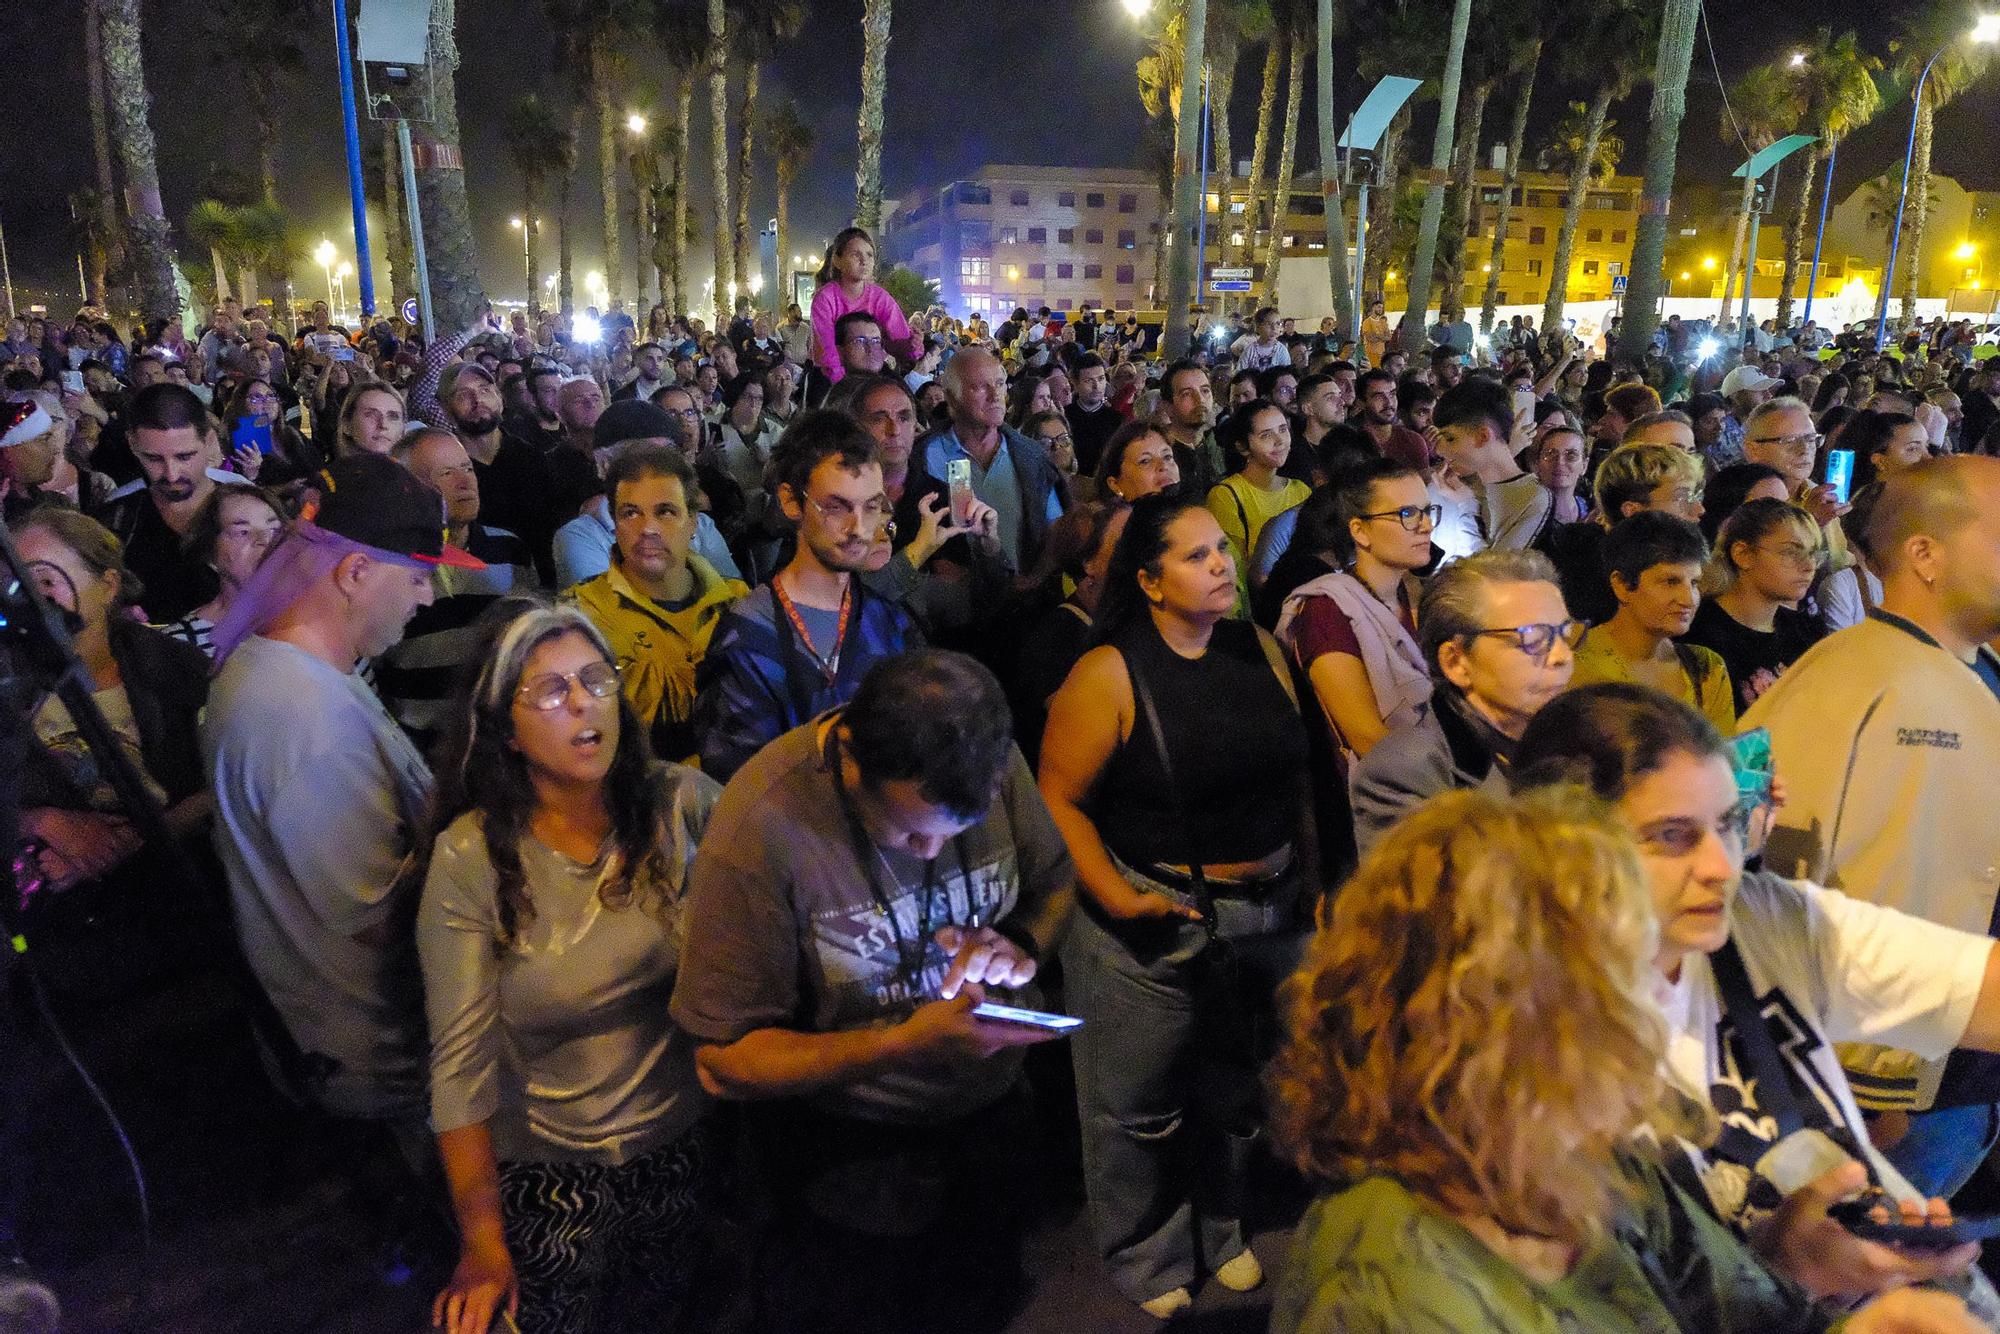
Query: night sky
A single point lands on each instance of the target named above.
(969, 83)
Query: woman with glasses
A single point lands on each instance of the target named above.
(1559, 458)
(1353, 631)
(1767, 556)
(564, 1098)
(1499, 644)
(1051, 431)
(256, 404)
(1491, 1152)
(1257, 437)
(1174, 765)
(230, 533)
(1814, 966)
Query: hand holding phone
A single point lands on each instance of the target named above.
(958, 477)
(1875, 1217)
(1840, 473)
(248, 433)
(1013, 1014)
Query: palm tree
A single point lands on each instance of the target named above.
(453, 261)
(1487, 60)
(539, 144)
(1610, 50)
(875, 17)
(645, 167)
(1441, 144)
(266, 238)
(681, 32)
(1294, 27)
(93, 240)
(1528, 56)
(761, 27)
(1644, 286)
(216, 228)
(105, 198)
(1954, 67)
(791, 139)
(1836, 92)
(255, 45)
(1339, 284)
(1761, 101)
(718, 110)
(1265, 32)
(125, 87)
(1156, 154)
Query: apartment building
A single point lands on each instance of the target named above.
(1009, 236)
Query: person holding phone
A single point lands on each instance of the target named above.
(1767, 556)
(255, 427)
(1818, 968)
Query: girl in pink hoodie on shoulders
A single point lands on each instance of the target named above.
(846, 283)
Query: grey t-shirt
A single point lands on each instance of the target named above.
(560, 1041)
(316, 794)
(784, 933)
(1511, 512)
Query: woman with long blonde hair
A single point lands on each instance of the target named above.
(1473, 1066)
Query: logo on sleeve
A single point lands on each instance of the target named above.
(1937, 738)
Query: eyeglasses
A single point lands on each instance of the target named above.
(862, 340)
(1056, 441)
(1536, 640)
(545, 694)
(841, 513)
(1414, 518)
(1792, 444)
(1687, 495)
(1793, 553)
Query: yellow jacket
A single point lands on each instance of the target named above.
(657, 650)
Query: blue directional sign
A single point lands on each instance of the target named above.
(1229, 285)
(409, 310)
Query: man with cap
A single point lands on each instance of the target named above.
(1743, 389)
(515, 487)
(28, 455)
(317, 790)
(583, 545)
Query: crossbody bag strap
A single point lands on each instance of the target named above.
(1691, 664)
(1204, 900)
(1767, 1066)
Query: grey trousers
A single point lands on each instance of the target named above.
(1167, 1082)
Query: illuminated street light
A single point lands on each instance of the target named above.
(1708, 263)
(323, 255)
(636, 123)
(1138, 9)
(1685, 275)
(1798, 59)
(1966, 250)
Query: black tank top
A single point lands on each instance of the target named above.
(1237, 745)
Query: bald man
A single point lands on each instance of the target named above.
(1008, 471)
(1886, 735)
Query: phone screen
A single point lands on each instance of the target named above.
(1840, 473)
(248, 432)
(958, 476)
(1010, 1014)
(1750, 757)
(72, 382)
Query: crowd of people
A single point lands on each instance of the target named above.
(1532, 795)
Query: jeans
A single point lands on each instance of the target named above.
(1943, 1148)
(1167, 1084)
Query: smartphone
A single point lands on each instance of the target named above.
(72, 382)
(1524, 405)
(1854, 1215)
(248, 432)
(343, 353)
(958, 476)
(1840, 473)
(1750, 757)
(1010, 1014)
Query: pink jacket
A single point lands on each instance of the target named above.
(830, 303)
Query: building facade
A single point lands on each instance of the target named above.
(1009, 236)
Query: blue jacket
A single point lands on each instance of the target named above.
(756, 684)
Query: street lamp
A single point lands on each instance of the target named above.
(1987, 29)
(526, 226)
(1137, 8)
(636, 123)
(1708, 263)
(323, 255)
(343, 273)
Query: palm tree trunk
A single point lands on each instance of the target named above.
(1221, 83)
(1441, 145)
(402, 260)
(684, 297)
(746, 116)
(263, 114)
(1795, 230)
(449, 253)
(874, 84)
(784, 293)
(642, 231)
(530, 191)
(1267, 103)
(1382, 207)
(1736, 246)
(100, 146)
(1646, 284)
(1517, 136)
(1464, 192)
(1579, 186)
(1339, 283)
(220, 268)
(565, 271)
(1920, 189)
(1281, 196)
(1183, 283)
(663, 249)
(607, 164)
(125, 77)
(718, 109)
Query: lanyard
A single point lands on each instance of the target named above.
(828, 664)
(909, 953)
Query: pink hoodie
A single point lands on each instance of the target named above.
(830, 303)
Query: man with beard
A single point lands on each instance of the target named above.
(1375, 393)
(650, 359)
(799, 645)
(316, 788)
(517, 491)
(538, 419)
(180, 458)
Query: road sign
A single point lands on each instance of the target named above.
(1229, 275)
(409, 310)
(1230, 285)
(1618, 285)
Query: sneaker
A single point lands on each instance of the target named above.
(1168, 1304)
(1241, 1274)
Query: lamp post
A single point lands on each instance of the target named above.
(526, 226)
(323, 255)
(1987, 29)
(341, 274)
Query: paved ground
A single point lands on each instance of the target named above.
(257, 1230)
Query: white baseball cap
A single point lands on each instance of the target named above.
(1746, 377)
